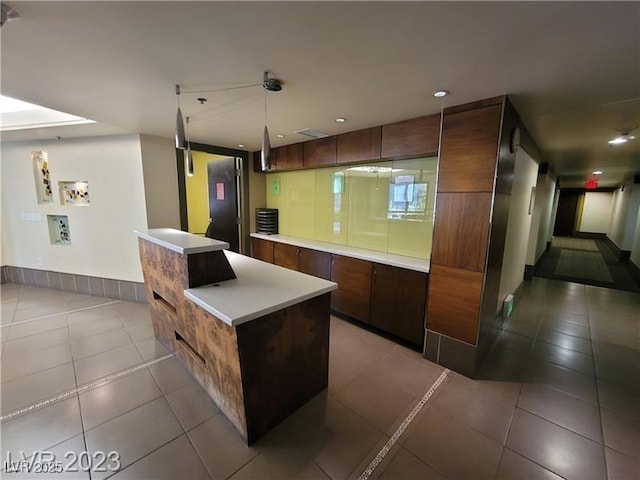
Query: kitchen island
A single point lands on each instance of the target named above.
(254, 335)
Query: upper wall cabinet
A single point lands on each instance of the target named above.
(287, 157)
(319, 152)
(360, 145)
(419, 136)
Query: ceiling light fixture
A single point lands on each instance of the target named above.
(279, 135)
(597, 172)
(241, 145)
(340, 120)
(618, 141)
(269, 84)
(441, 93)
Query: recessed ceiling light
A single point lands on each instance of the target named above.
(597, 172)
(241, 145)
(441, 93)
(279, 135)
(618, 141)
(340, 120)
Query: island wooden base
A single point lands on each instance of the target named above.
(258, 372)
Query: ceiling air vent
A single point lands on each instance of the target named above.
(310, 132)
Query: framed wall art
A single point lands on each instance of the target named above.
(42, 176)
(74, 193)
(59, 232)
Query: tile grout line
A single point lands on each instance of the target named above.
(403, 426)
(87, 386)
(19, 322)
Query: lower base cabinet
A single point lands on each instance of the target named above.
(353, 295)
(398, 299)
(391, 299)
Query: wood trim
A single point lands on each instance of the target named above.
(414, 137)
(359, 145)
(461, 230)
(453, 302)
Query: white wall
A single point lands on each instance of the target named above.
(541, 222)
(102, 239)
(160, 181)
(635, 242)
(518, 226)
(596, 213)
(624, 215)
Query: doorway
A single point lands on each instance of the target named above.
(214, 192)
(565, 225)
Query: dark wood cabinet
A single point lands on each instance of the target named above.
(418, 136)
(359, 145)
(262, 249)
(286, 255)
(353, 295)
(287, 157)
(316, 263)
(398, 300)
(319, 152)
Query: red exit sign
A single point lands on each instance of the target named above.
(591, 184)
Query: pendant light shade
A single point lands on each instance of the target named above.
(180, 138)
(188, 162)
(265, 154)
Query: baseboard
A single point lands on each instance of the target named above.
(67, 282)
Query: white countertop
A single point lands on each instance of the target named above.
(394, 260)
(181, 242)
(259, 289)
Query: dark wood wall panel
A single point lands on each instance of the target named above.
(469, 150)
(461, 230)
(360, 145)
(454, 302)
(262, 249)
(418, 136)
(322, 151)
(286, 255)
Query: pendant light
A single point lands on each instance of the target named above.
(271, 85)
(188, 155)
(180, 138)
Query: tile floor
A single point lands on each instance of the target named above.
(558, 397)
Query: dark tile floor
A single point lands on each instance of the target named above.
(558, 397)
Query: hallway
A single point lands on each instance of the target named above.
(556, 398)
(587, 261)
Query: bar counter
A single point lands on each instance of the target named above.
(254, 335)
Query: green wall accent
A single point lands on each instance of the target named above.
(387, 206)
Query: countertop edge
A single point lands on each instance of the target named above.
(189, 294)
(377, 257)
(175, 248)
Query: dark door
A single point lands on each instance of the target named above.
(223, 201)
(566, 215)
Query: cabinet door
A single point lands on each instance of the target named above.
(262, 249)
(418, 136)
(359, 145)
(353, 295)
(315, 263)
(321, 151)
(286, 256)
(288, 157)
(398, 298)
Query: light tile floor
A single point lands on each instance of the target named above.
(558, 397)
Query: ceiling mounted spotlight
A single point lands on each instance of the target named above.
(340, 120)
(441, 93)
(279, 135)
(597, 172)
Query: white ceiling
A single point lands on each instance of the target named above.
(572, 69)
